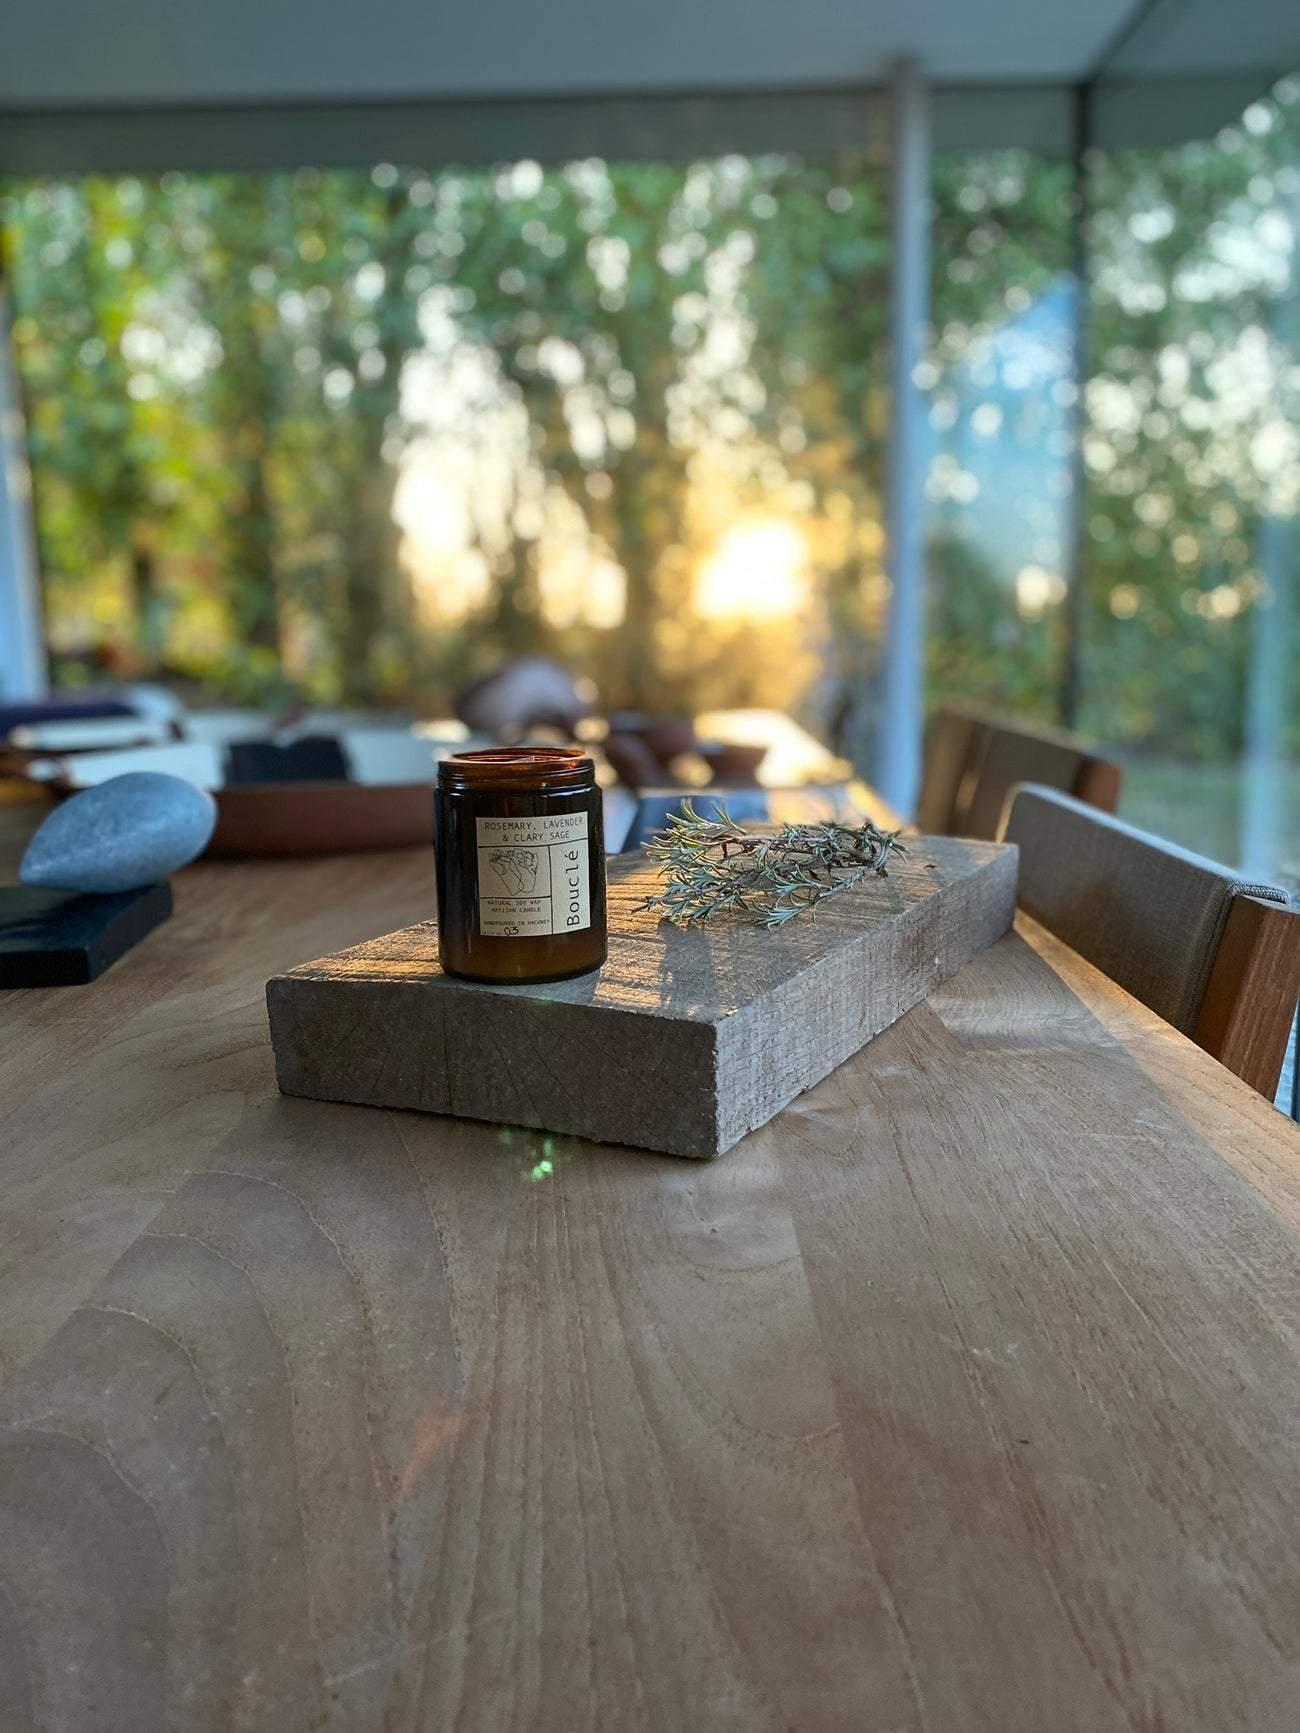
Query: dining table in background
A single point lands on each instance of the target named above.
(963, 1395)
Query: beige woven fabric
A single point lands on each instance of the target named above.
(1147, 913)
(1011, 756)
(972, 762)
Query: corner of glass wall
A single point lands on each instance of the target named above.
(1187, 633)
(1193, 457)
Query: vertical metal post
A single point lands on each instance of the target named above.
(1076, 537)
(1268, 667)
(1273, 616)
(902, 686)
(22, 651)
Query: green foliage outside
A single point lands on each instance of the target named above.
(581, 379)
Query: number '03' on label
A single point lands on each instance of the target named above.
(533, 875)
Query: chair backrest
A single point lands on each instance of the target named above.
(1217, 957)
(972, 763)
(949, 740)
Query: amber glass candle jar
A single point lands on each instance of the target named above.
(519, 839)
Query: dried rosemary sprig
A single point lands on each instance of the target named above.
(712, 866)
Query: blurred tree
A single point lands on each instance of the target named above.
(586, 377)
(232, 235)
(100, 425)
(1193, 408)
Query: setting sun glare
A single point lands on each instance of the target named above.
(758, 572)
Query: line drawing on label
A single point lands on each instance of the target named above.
(516, 869)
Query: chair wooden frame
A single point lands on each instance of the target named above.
(1250, 1000)
(1215, 955)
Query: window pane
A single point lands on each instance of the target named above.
(366, 432)
(1001, 418)
(1189, 631)
(1194, 482)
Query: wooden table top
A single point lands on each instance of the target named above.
(962, 1396)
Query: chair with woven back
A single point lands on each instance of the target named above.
(971, 763)
(1213, 954)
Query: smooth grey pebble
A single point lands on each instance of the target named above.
(124, 833)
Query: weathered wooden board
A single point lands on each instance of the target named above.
(683, 1042)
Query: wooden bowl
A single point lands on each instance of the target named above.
(731, 762)
(632, 760)
(665, 737)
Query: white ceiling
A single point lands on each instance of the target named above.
(81, 52)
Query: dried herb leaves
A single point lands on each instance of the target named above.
(712, 867)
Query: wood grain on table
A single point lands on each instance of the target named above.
(964, 1395)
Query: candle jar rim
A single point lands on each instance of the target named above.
(517, 767)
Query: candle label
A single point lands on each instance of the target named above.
(533, 875)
